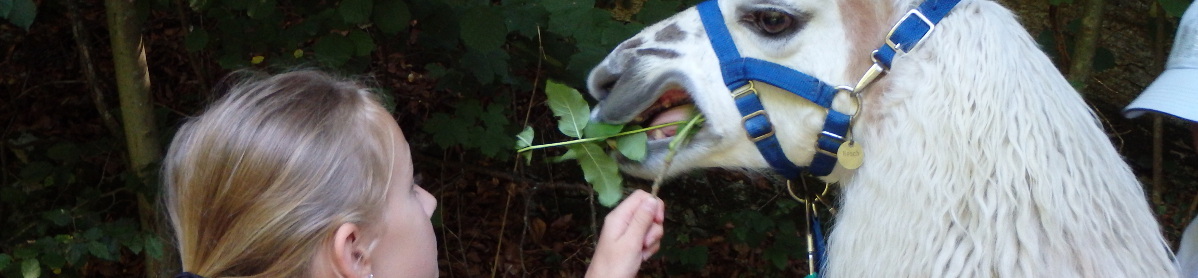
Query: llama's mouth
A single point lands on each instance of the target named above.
(674, 105)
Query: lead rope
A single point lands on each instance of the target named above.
(814, 234)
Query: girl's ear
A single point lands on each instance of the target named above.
(349, 252)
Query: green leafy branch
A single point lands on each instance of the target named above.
(599, 169)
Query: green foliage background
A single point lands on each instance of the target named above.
(67, 206)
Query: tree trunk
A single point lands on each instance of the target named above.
(137, 114)
(1087, 43)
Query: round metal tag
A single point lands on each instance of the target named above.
(850, 155)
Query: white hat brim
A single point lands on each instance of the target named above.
(1175, 92)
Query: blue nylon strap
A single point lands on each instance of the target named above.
(717, 32)
(913, 29)
(759, 126)
(738, 71)
(836, 125)
(821, 245)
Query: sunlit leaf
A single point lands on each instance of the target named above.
(31, 268)
(601, 171)
(570, 108)
(523, 140)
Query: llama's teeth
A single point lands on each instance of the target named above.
(638, 119)
(656, 134)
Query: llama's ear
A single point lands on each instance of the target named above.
(348, 254)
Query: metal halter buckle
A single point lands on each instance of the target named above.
(897, 46)
(750, 89)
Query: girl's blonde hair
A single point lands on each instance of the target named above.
(260, 181)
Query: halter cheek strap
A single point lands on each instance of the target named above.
(741, 73)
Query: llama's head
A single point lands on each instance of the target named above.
(652, 77)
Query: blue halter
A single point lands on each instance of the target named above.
(740, 73)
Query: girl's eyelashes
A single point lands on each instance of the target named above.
(418, 179)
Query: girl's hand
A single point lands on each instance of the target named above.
(631, 234)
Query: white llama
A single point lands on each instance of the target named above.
(980, 160)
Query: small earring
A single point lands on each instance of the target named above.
(371, 276)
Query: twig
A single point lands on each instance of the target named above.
(592, 139)
(502, 227)
(89, 71)
(680, 137)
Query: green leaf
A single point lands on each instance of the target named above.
(99, 250)
(656, 10)
(567, 104)
(581, 23)
(1174, 8)
(25, 252)
(334, 50)
(53, 260)
(391, 16)
(58, 216)
(569, 155)
(135, 244)
(363, 44)
(93, 234)
(634, 146)
(615, 32)
(494, 140)
(153, 246)
(776, 256)
(21, 13)
(525, 19)
(601, 171)
(5, 260)
(196, 40)
(261, 9)
(446, 130)
(5, 8)
(523, 140)
(31, 268)
(596, 129)
(485, 65)
(582, 62)
(483, 28)
(355, 11)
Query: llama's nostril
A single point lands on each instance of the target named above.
(601, 82)
(606, 87)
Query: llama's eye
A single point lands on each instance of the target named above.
(773, 22)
